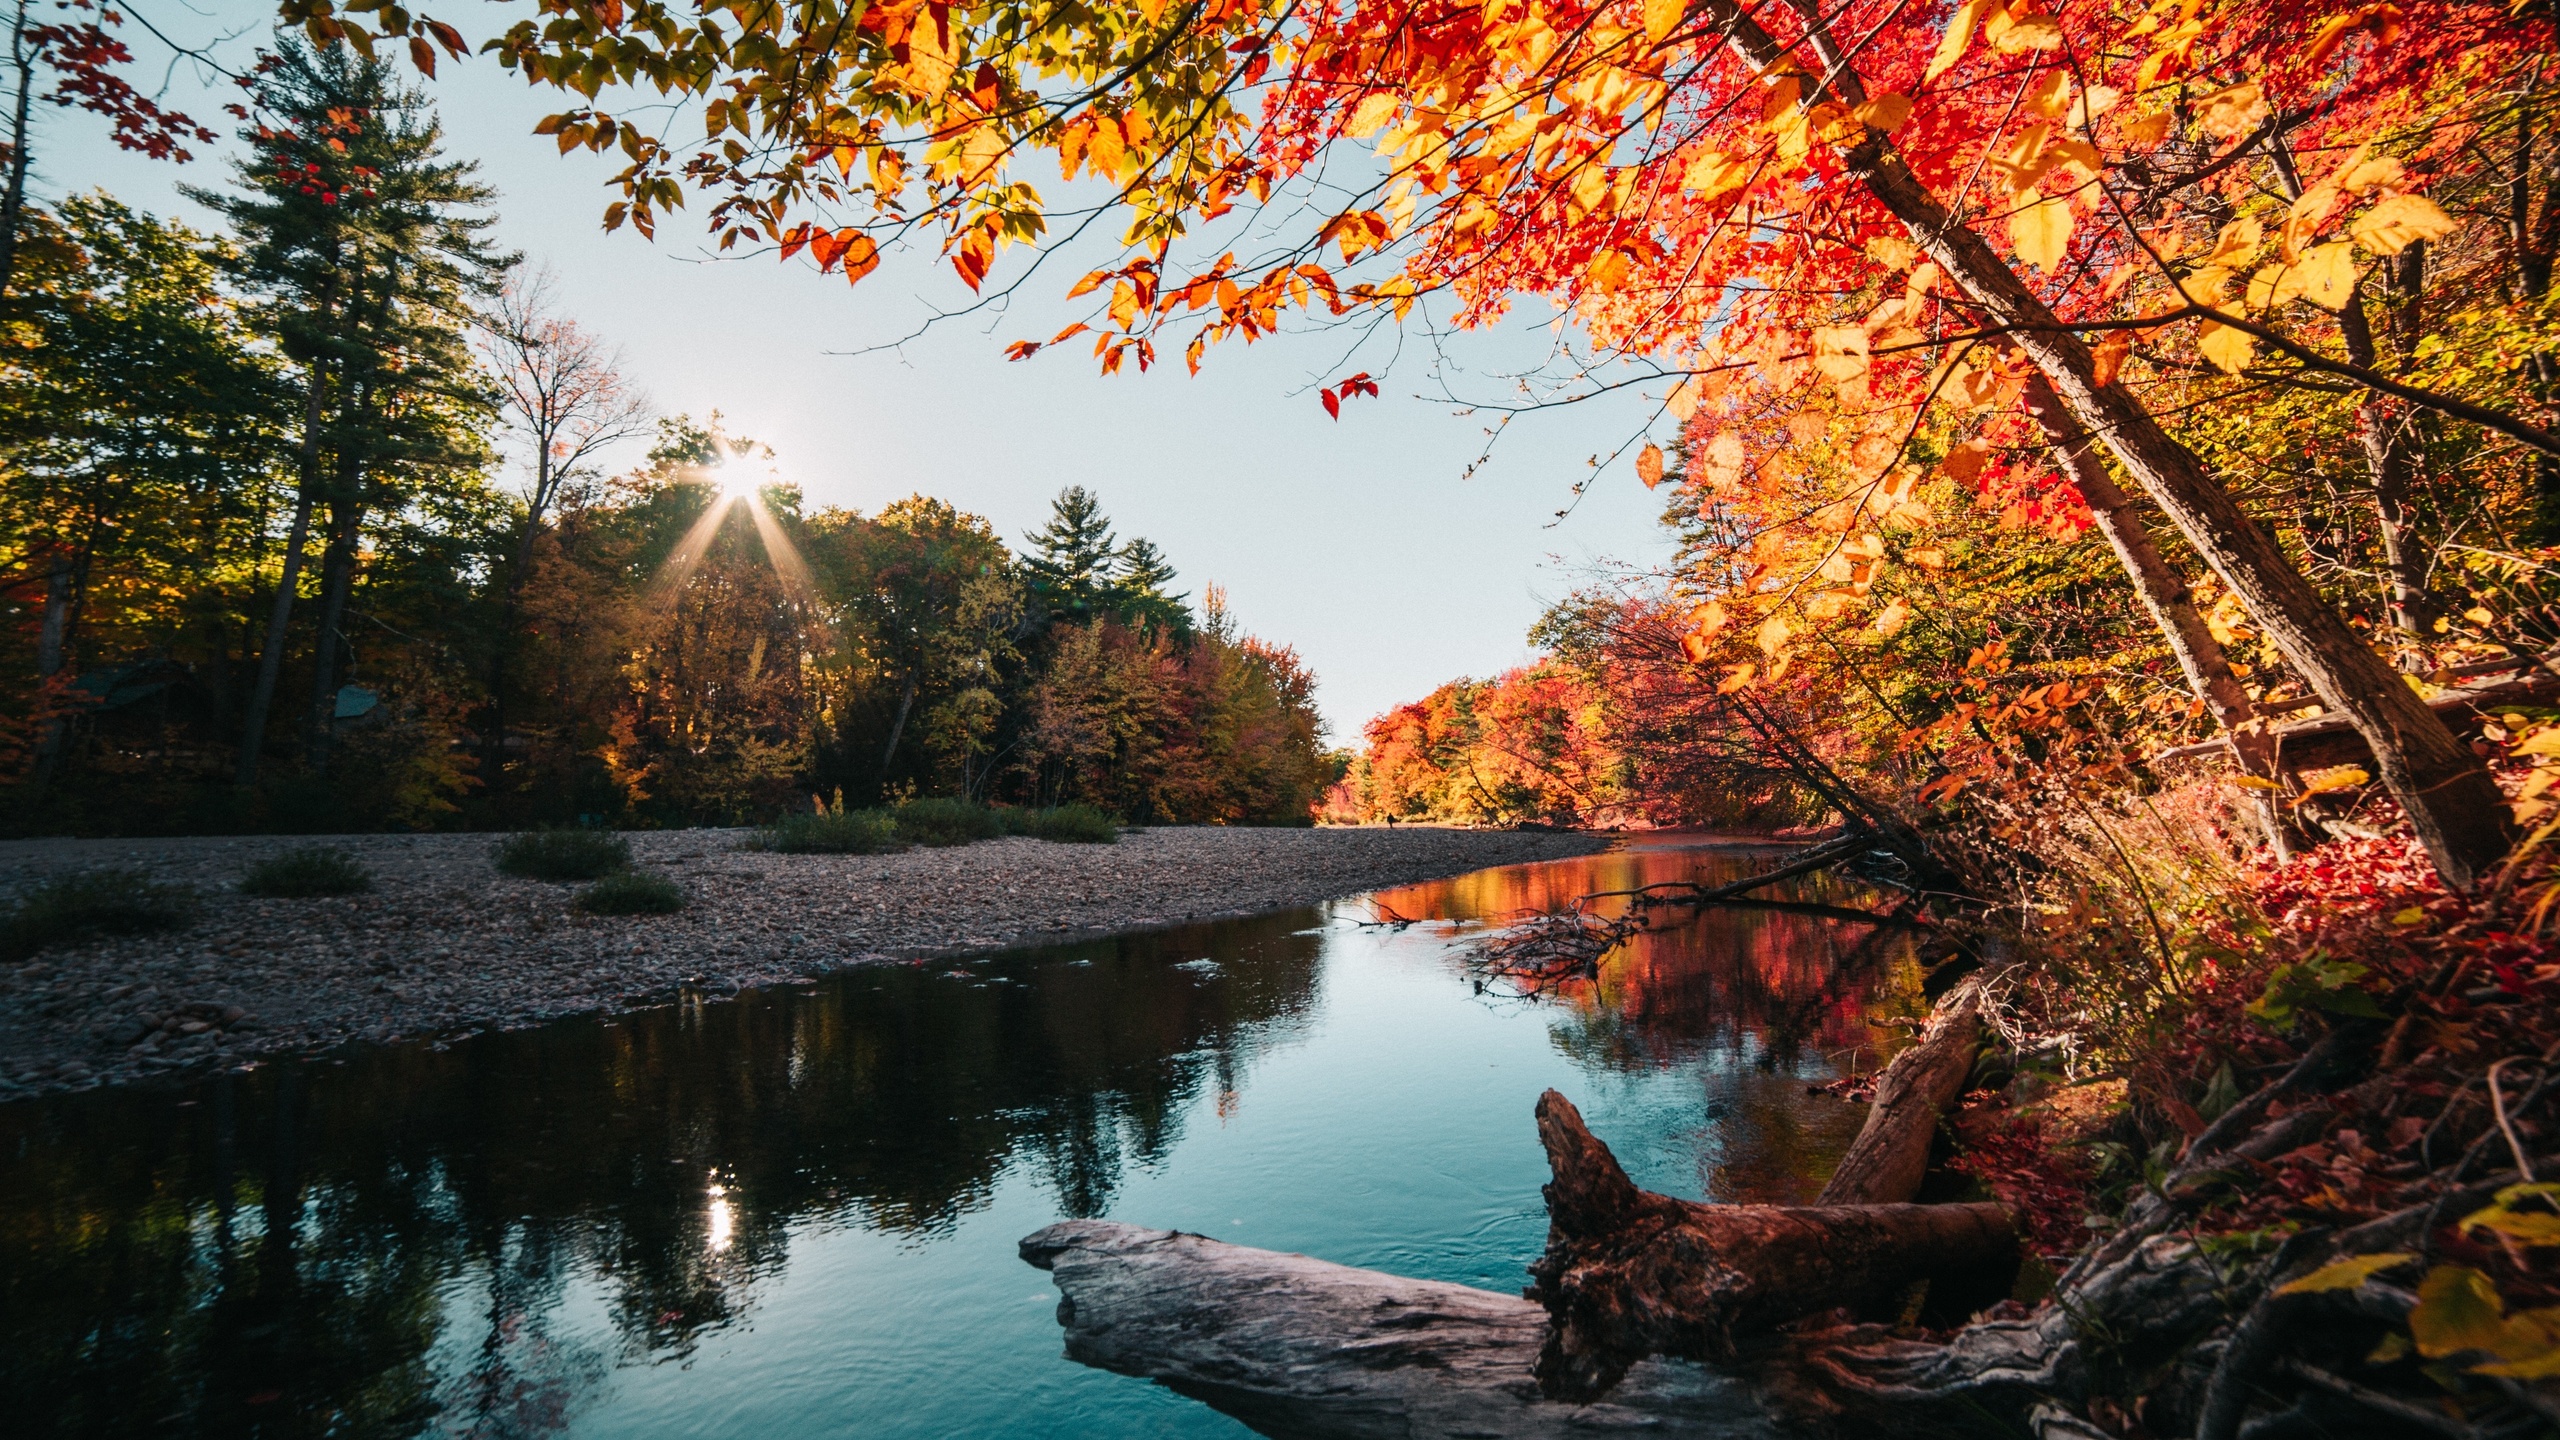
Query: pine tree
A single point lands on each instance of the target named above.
(1140, 582)
(1074, 565)
(365, 247)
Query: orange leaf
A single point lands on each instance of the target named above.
(1649, 466)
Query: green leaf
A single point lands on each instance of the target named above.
(2345, 1274)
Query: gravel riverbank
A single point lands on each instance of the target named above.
(445, 944)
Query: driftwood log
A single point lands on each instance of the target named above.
(1890, 1157)
(1628, 1273)
(1303, 1349)
(2327, 740)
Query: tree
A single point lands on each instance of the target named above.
(1074, 558)
(1141, 582)
(364, 245)
(138, 420)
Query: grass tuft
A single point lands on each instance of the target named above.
(832, 832)
(1066, 825)
(309, 871)
(564, 854)
(948, 822)
(632, 893)
(99, 902)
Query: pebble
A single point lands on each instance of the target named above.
(444, 942)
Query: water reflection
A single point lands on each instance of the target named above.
(812, 1194)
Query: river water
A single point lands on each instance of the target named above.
(794, 1213)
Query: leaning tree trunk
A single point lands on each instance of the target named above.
(1890, 1157)
(2452, 802)
(253, 724)
(1628, 1273)
(2172, 604)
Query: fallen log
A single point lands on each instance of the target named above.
(1296, 1347)
(1628, 1273)
(2328, 740)
(1890, 1157)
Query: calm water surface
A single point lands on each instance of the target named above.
(794, 1213)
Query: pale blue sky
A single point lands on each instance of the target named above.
(1361, 542)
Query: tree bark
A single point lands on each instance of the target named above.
(337, 581)
(1301, 1348)
(1628, 1273)
(898, 727)
(2390, 464)
(253, 724)
(13, 204)
(2171, 602)
(1890, 1157)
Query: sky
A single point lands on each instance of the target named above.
(1363, 542)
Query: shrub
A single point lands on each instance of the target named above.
(832, 832)
(311, 870)
(948, 822)
(1067, 825)
(632, 893)
(99, 902)
(564, 854)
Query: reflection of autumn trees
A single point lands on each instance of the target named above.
(284, 1253)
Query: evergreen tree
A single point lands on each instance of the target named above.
(365, 247)
(1073, 568)
(1140, 582)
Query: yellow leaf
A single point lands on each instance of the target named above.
(1926, 559)
(1649, 466)
(2328, 275)
(2052, 95)
(1709, 618)
(1892, 252)
(2336, 777)
(1683, 399)
(1840, 351)
(2399, 221)
(2148, 130)
(2537, 1227)
(1608, 270)
(2042, 233)
(1736, 677)
(2252, 782)
(1661, 17)
(1725, 461)
(2370, 174)
(1373, 115)
(1773, 635)
(2205, 286)
(1895, 616)
(1959, 34)
(1884, 112)
(2097, 100)
(2234, 112)
(2344, 1274)
(2035, 32)
(2226, 349)
(1714, 173)
(2237, 242)
(2409, 915)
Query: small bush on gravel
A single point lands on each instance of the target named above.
(632, 893)
(312, 870)
(948, 822)
(564, 854)
(832, 832)
(1067, 825)
(100, 902)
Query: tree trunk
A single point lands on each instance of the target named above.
(1628, 1273)
(2172, 605)
(253, 725)
(337, 581)
(13, 203)
(898, 727)
(1314, 1351)
(2450, 799)
(1890, 1157)
(2447, 792)
(2382, 430)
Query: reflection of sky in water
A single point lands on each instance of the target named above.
(796, 1213)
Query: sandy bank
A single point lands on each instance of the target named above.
(445, 944)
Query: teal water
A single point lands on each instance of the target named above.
(794, 1213)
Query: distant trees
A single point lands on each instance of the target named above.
(1078, 570)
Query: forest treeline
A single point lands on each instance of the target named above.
(268, 564)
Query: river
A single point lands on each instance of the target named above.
(794, 1212)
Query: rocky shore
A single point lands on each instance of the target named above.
(444, 944)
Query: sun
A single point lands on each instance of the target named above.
(736, 482)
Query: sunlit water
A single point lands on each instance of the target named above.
(794, 1213)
